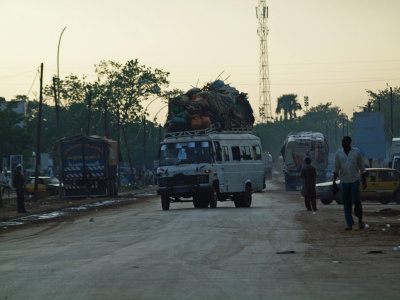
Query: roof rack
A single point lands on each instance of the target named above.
(209, 130)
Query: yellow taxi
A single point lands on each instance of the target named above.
(383, 184)
(45, 184)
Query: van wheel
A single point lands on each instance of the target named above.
(385, 200)
(243, 199)
(212, 198)
(326, 200)
(165, 202)
(237, 200)
(246, 197)
(396, 197)
(200, 201)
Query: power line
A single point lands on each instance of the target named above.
(33, 82)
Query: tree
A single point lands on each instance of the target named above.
(380, 101)
(15, 139)
(288, 103)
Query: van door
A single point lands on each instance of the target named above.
(219, 165)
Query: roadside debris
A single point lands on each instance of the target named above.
(376, 252)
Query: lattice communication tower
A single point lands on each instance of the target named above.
(265, 113)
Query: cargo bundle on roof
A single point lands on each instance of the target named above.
(216, 104)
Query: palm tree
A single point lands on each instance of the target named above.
(288, 103)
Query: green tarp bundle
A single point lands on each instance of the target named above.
(216, 103)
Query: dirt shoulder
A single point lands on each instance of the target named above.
(364, 258)
(8, 210)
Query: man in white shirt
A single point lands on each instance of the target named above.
(348, 166)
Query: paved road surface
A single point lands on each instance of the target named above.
(141, 252)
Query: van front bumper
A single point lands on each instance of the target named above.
(183, 191)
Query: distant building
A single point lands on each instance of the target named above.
(18, 106)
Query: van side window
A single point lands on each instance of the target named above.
(257, 152)
(218, 154)
(235, 153)
(246, 152)
(225, 153)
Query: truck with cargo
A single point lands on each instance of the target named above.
(88, 166)
(206, 166)
(296, 147)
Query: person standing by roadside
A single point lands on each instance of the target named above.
(348, 166)
(5, 180)
(309, 177)
(19, 184)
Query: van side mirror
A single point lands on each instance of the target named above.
(390, 164)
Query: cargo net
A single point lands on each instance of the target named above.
(217, 105)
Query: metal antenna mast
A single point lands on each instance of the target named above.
(264, 89)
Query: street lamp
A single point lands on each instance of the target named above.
(58, 64)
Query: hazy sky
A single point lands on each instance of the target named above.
(327, 50)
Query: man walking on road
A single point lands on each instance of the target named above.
(348, 165)
(309, 177)
(19, 184)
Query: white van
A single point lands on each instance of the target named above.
(210, 166)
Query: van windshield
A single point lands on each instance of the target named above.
(185, 153)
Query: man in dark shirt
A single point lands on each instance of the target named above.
(309, 177)
(19, 184)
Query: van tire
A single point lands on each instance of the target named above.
(200, 200)
(247, 197)
(212, 197)
(243, 199)
(165, 202)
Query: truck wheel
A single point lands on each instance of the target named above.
(212, 198)
(200, 201)
(326, 200)
(385, 200)
(165, 202)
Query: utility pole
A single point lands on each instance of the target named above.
(56, 106)
(89, 99)
(58, 64)
(119, 147)
(343, 127)
(336, 144)
(306, 102)
(144, 146)
(105, 116)
(39, 127)
(391, 111)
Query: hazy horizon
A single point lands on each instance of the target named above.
(327, 51)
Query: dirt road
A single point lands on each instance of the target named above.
(141, 252)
